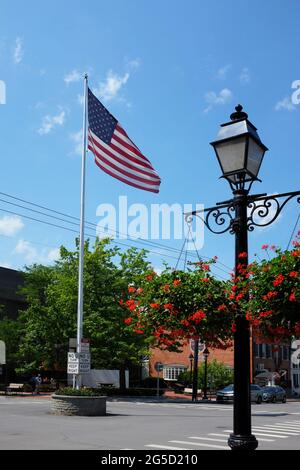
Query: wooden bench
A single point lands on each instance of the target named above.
(14, 387)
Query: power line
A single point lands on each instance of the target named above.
(136, 240)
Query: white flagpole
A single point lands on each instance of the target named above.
(81, 236)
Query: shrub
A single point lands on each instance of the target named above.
(151, 382)
(82, 392)
(218, 375)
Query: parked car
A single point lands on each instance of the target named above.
(274, 393)
(227, 393)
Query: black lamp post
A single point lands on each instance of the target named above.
(240, 153)
(191, 358)
(205, 355)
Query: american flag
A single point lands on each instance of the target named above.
(114, 151)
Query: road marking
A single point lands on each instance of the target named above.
(258, 433)
(157, 446)
(275, 430)
(260, 439)
(200, 444)
(288, 427)
(208, 439)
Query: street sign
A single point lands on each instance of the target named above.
(2, 353)
(158, 366)
(79, 363)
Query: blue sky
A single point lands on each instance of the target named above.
(171, 72)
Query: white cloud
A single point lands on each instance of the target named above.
(134, 63)
(77, 140)
(18, 51)
(10, 225)
(110, 88)
(286, 104)
(245, 76)
(49, 122)
(32, 255)
(213, 99)
(73, 76)
(222, 72)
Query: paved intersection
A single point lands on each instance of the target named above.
(27, 423)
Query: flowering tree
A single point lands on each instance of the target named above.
(176, 306)
(274, 288)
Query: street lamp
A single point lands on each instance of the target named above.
(191, 358)
(240, 153)
(205, 355)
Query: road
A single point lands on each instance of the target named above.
(27, 423)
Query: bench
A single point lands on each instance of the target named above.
(14, 387)
(190, 391)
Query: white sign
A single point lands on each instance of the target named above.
(73, 368)
(79, 363)
(201, 346)
(2, 353)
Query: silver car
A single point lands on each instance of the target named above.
(227, 394)
(274, 393)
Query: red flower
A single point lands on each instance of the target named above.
(128, 320)
(121, 302)
(266, 314)
(270, 295)
(185, 322)
(138, 332)
(166, 288)
(233, 328)
(205, 267)
(139, 290)
(265, 247)
(278, 280)
(292, 297)
(239, 297)
(221, 308)
(177, 282)
(168, 306)
(294, 274)
(131, 290)
(205, 279)
(154, 305)
(248, 316)
(198, 316)
(295, 253)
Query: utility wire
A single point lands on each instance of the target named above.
(138, 240)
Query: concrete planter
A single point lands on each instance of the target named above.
(78, 406)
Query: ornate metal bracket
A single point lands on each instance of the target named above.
(262, 210)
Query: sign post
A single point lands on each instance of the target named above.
(158, 367)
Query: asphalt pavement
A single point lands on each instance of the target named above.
(143, 424)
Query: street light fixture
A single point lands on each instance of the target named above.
(240, 153)
(205, 355)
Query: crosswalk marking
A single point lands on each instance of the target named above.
(208, 439)
(260, 439)
(258, 433)
(286, 427)
(201, 444)
(157, 446)
(275, 430)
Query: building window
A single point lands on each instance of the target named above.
(285, 353)
(296, 380)
(171, 372)
(268, 351)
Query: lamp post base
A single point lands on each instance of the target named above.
(239, 442)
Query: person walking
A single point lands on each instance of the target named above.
(38, 381)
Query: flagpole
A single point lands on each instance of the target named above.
(81, 236)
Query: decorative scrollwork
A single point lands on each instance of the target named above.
(217, 219)
(263, 211)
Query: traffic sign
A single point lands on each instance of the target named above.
(158, 366)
